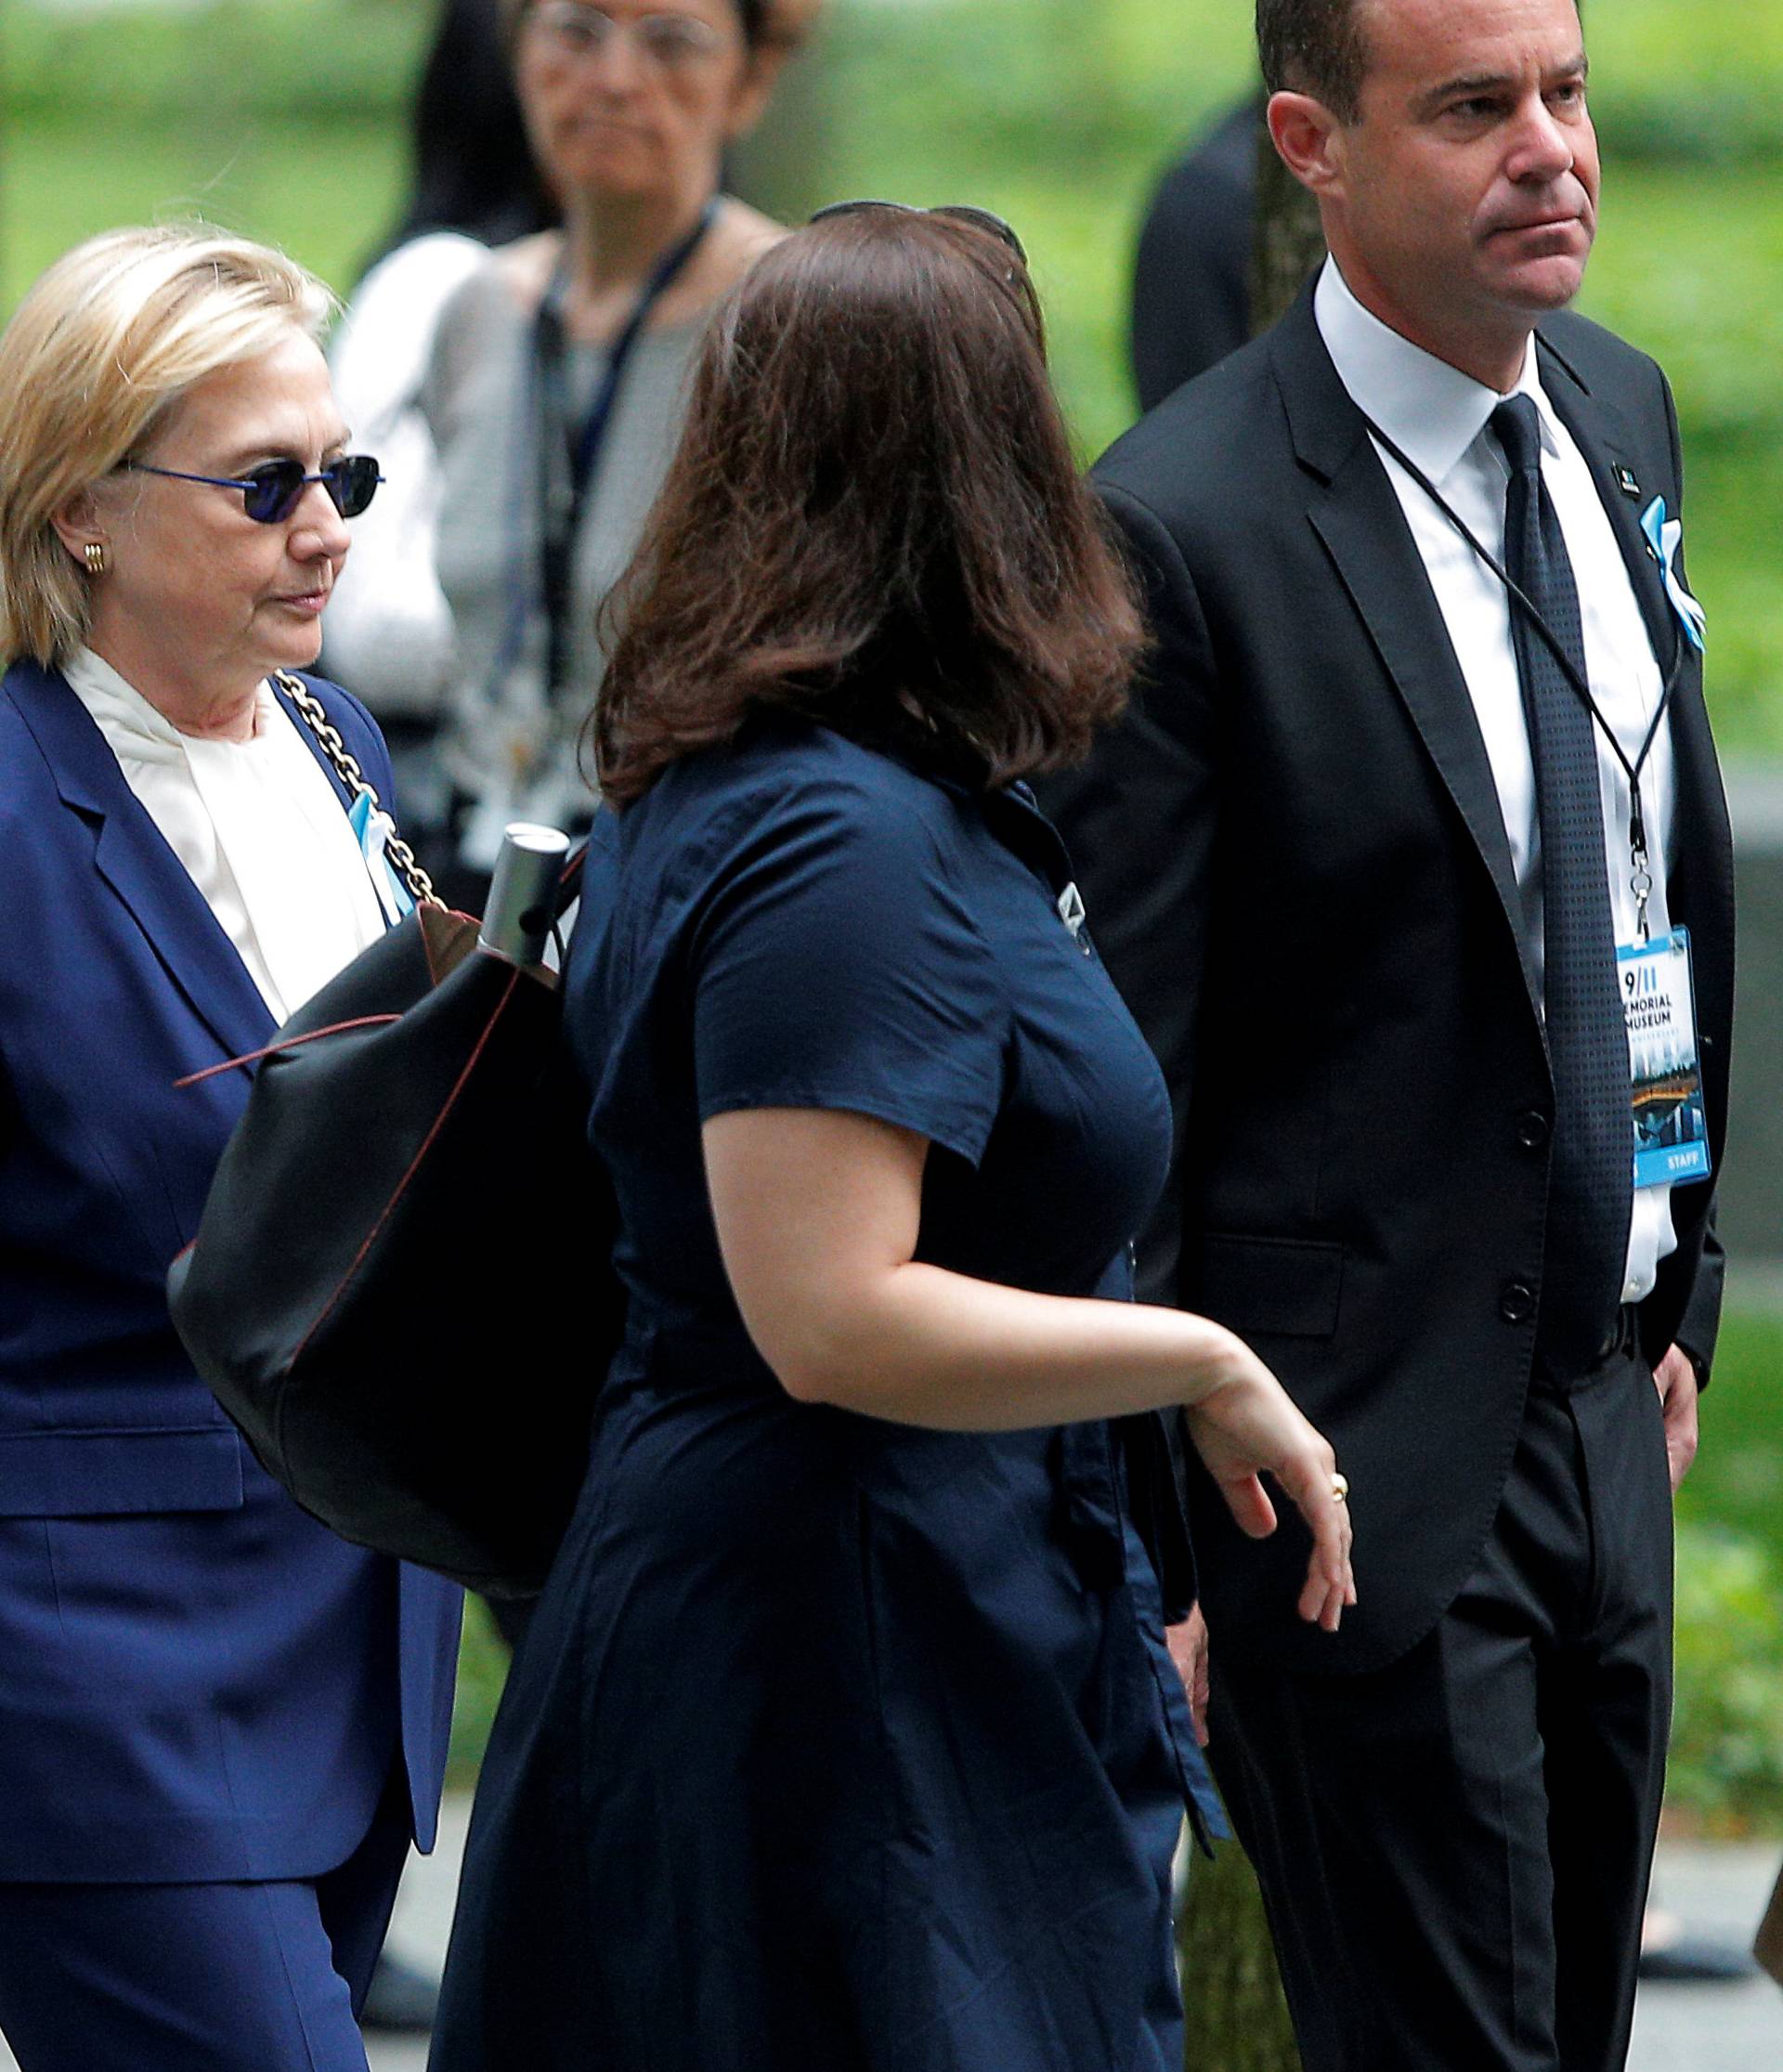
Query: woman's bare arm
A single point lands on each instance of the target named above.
(817, 1213)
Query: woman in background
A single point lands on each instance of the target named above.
(389, 633)
(845, 1737)
(556, 383)
(221, 1727)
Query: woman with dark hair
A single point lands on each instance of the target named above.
(845, 1736)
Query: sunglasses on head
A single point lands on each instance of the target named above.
(270, 491)
(961, 211)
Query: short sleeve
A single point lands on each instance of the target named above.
(836, 964)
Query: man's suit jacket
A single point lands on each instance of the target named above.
(1295, 867)
(196, 1680)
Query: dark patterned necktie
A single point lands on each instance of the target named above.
(1591, 1171)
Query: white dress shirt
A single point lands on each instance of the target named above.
(1439, 417)
(259, 828)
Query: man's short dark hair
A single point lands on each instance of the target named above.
(1317, 47)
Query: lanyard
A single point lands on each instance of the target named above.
(1641, 876)
(569, 453)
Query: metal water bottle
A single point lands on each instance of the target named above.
(517, 917)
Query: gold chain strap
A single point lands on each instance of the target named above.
(310, 709)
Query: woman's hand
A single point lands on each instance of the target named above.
(1245, 1425)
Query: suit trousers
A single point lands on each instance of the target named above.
(215, 1978)
(1454, 1850)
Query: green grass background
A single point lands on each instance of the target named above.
(284, 118)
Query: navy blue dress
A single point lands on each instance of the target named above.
(837, 1743)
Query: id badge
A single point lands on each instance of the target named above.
(1660, 1003)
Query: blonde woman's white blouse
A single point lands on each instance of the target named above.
(260, 829)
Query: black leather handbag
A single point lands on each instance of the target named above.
(401, 1289)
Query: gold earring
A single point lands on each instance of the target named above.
(93, 556)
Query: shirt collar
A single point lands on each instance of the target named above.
(129, 722)
(1432, 410)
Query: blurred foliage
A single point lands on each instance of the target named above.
(213, 64)
(1677, 81)
(482, 1671)
(1726, 1767)
(1235, 2011)
(1690, 267)
(288, 121)
(1726, 1772)
(1738, 1482)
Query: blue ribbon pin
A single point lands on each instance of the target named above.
(1664, 536)
(373, 831)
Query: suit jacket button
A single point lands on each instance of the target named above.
(1533, 1131)
(1517, 1302)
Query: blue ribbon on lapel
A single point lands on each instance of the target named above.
(1664, 536)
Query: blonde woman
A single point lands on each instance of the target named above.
(220, 1727)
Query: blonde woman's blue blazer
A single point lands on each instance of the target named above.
(197, 1681)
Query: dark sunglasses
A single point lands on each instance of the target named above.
(962, 212)
(270, 491)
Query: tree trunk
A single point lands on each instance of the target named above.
(1237, 2019)
(1287, 243)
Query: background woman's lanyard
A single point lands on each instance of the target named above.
(569, 453)
(1641, 879)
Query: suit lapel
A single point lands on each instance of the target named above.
(1601, 436)
(1355, 511)
(132, 857)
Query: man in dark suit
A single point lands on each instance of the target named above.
(1192, 273)
(1365, 861)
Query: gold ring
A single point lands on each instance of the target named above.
(1340, 1489)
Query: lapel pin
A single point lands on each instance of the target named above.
(1071, 911)
(1664, 537)
(1627, 482)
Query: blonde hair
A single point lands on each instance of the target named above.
(106, 342)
